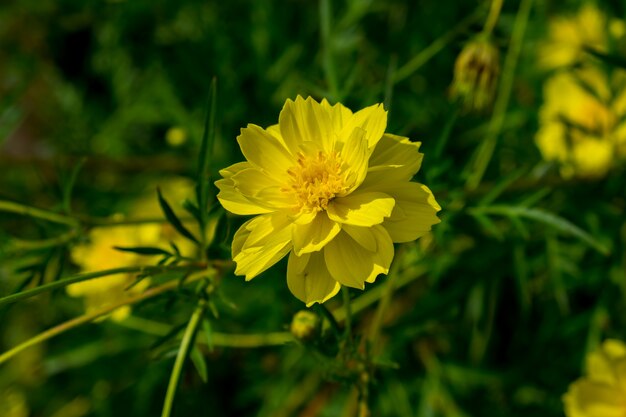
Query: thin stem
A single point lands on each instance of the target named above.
(327, 53)
(492, 18)
(204, 164)
(389, 288)
(183, 352)
(110, 222)
(334, 325)
(86, 318)
(12, 207)
(345, 292)
(18, 245)
(431, 50)
(375, 294)
(91, 275)
(488, 146)
(232, 340)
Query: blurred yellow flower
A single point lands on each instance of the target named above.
(569, 35)
(13, 403)
(330, 188)
(99, 253)
(175, 136)
(582, 121)
(602, 393)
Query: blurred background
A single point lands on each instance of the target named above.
(525, 275)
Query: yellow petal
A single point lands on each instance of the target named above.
(372, 119)
(414, 213)
(362, 235)
(260, 189)
(306, 121)
(354, 157)
(352, 265)
(313, 236)
(309, 280)
(395, 158)
(340, 115)
(602, 364)
(265, 151)
(596, 400)
(361, 208)
(231, 198)
(260, 243)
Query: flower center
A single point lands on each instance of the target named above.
(315, 180)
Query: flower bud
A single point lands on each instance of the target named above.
(305, 325)
(476, 72)
(175, 136)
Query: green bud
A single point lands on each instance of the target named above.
(476, 72)
(305, 325)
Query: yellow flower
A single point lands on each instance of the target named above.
(602, 393)
(330, 188)
(99, 252)
(581, 121)
(569, 35)
(13, 403)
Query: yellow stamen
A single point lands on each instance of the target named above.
(315, 180)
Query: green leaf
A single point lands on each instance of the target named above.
(206, 153)
(68, 185)
(199, 363)
(550, 219)
(173, 219)
(192, 209)
(488, 225)
(143, 250)
(501, 186)
(208, 333)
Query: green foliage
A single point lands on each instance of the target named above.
(491, 315)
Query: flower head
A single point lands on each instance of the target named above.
(582, 121)
(569, 36)
(330, 188)
(602, 393)
(99, 252)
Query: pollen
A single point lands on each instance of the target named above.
(315, 180)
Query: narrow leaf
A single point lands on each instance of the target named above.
(206, 152)
(199, 363)
(143, 250)
(173, 219)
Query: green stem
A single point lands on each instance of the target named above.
(18, 245)
(91, 275)
(204, 164)
(183, 353)
(334, 325)
(327, 53)
(345, 292)
(86, 318)
(431, 50)
(12, 207)
(111, 222)
(492, 18)
(388, 290)
(488, 145)
(232, 340)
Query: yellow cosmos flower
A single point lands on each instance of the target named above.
(582, 121)
(99, 252)
(330, 188)
(602, 393)
(569, 35)
(13, 403)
